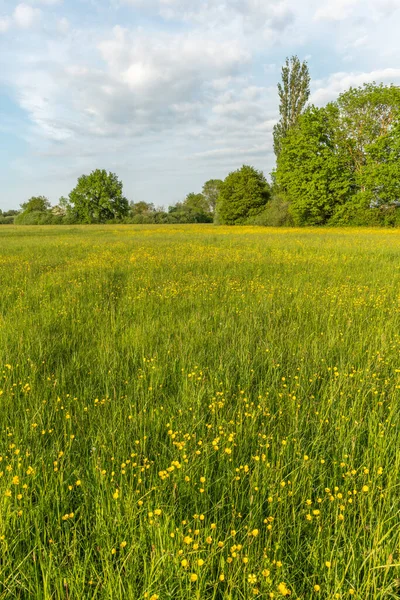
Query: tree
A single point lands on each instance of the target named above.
(341, 160)
(197, 203)
(98, 198)
(243, 194)
(367, 113)
(211, 190)
(294, 92)
(141, 208)
(194, 209)
(10, 213)
(312, 170)
(62, 208)
(380, 178)
(7, 217)
(36, 204)
(36, 211)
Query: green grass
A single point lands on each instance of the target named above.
(244, 382)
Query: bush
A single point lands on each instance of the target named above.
(143, 219)
(70, 218)
(38, 218)
(6, 220)
(355, 215)
(276, 214)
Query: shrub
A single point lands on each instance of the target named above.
(276, 214)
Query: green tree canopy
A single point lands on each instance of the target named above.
(311, 169)
(243, 194)
(368, 132)
(380, 178)
(36, 204)
(343, 155)
(98, 198)
(141, 208)
(197, 203)
(211, 190)
(294, 92)
(194, 209)
(366, 114)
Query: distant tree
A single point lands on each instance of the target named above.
(6, 220)
(211, 190)
(192, 210)
(64, 203)
(243, 194)
(36, 204)
(7, 216)
(62, 208)
(141, 213)
(98, 198)
(197, 203)
(294, 92)
(141, 208)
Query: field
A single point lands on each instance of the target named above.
(199, 412)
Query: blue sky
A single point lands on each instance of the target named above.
(168, 93)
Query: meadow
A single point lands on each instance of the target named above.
(199, 413)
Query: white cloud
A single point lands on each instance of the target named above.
(149, 84)
(243, 152)
(270, 15)
(25, 15)
(335, 10)
(388, 7)
(167, 68)
(360, 41)
(274, 14)
(329, 89)
(5, 23)
(63, 25)
(342, 10)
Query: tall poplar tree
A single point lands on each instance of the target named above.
(294, 92)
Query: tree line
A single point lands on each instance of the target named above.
(335, 165)
(99, 198)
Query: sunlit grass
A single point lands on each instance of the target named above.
(199, 412)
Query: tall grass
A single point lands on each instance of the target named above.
(199, 413)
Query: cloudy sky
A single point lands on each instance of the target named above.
(168, 93)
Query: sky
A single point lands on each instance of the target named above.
(168, 93)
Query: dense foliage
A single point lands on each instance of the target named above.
(98, 198)
(311, 171)
(344, 158)
(211, 191)
(7, 217)
(243, 195)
